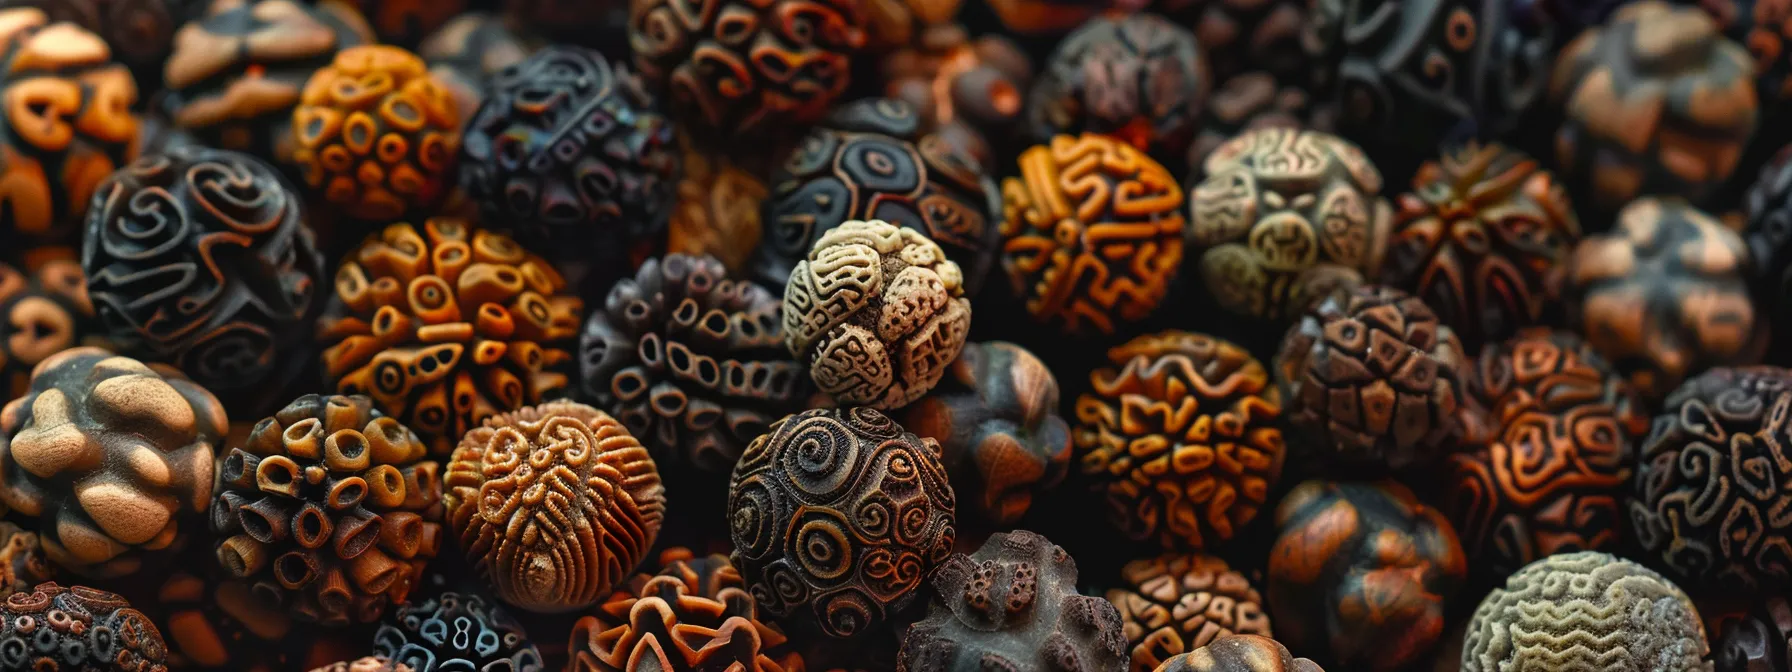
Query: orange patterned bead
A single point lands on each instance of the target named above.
(376, 133)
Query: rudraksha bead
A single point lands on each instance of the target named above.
(870, 161)
(1248, 102)
(1374, 378)
(22, 560)
(878, 312)
(836, 516)
(1478, 238)
(1138, 78)
(446, 325)
(453, 631)
(1177, 603)
(995, 414)
(1240, 36)
(1656, 102)
(718, 210)
(237, 71)
(1279, 209)
(40, 316)
(1664, 296)
(376, 133)
(367, 664)
(78, 629)
(701, 604)
(1711, 480)
(747, 68)
(1760, 641)
(406, 22)
(567, 550)
(1240, 653)
(108, 460)
(68, 124)
(1043, 18)
(329, 510)
(691, 362)
(1012, 605)
(1586, 611)
(468, 51)
(1180, 436)
(567, 150)
(202, 258)
(1361, 571)
(1092, 232)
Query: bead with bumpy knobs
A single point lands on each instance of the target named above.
(878, 312)
(1586, 612)
(553, 504)
(455, 632)
(78, 629)
(40, 315)
(368, 664)
(701, 604)
(1177, 603)
(109, 460)
(1240, 653)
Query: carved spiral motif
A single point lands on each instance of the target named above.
(836, 517)
(695, 614)
(445, 326)
(22, 560)
(108, 459)
(1362, 570)
(690, 361)
(1180, 435)
(77, 629)
(1177, 603)
(201, 258)
(376, 133)
(554, 504)
(1280, 209)
(453, 632)
(40, 316)
(1240, 653)
(878, 312)
(1092, 232)
(1664, 296)
(1138, 78)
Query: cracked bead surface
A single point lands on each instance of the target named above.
(1177, 603)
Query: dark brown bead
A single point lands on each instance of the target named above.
(704, 600)
(1585, 611)
(1361, 573)
(77, 629)
(212, 622)
(1240, 653)
(469, 51)
(836, 516)
(970, 91)
(1768, 234)
(1137, 78)
(452, 632)
(1760, 642)
(1240, 36)
(22, 560)
(406, 22)
(40, 315)
(1177, 603)
(1012, 605)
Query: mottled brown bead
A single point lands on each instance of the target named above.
(1361, 572)
(109, 460)
(1656, 102)
(836, 516)
(877, 312)
(1180, 435)
(704, 601)
(452, 632)
(559, 552)
(40, 315)
(1664, 296)
(445, 325)
(968, 90)
(1479, 238)
(22, 560)
(1374, 379)
(1012, 605)
(368, 664)
(995, 414)
(468, 51)
(1176, 603)
(1760, 641)
(77, 629)
(1240, 653)
(1138, 78)
(717, 209)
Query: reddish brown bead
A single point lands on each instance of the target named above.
(1138, 78)
(1178, 603)
(1240, 653)
(718, 209)
(969, 90)
(22, 560)
(405, 22)
(212, 622)
(704, 600)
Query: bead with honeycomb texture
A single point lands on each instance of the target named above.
(77, 629)
(700, 604)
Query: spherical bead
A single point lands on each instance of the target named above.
(1098, 257)
(109, 460)
(446, 325)
(1248, 102)
(1180, 435)
(1280, 209)
(836, 516)
(1177, 603)
(691, 362)
(1138, 78)
(559, 552)
(456, 631)
(878, 312)
(1240, 653)
(78, 629)
(40, 315)
(704, 600)
(1585, 611)
(1012, 605)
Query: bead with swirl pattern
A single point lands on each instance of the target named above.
(837, 515)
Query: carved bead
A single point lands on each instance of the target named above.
(78, 629)
(565, 550)
(878, 312)
(22, 560)
(109, 460)
(1138, 78)
(40, 315)
(969, 90)
(704, 600)
(1240, 653)
(1177, 603)
(456, 631)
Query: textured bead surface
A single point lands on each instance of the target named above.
(1361, 572)
(329, 510)
(1252, 101)
(139, 32)
(41, 314)
(995, 414)
(1240, 653)
(692, 363)
(1240, 36)
(1280, 209)
(1768, 234)
(109, 460)
(1180, 435)
(836, 517)
(78, 629)
(445, 325)
(1177, 603)
(1585, 612)
(452, 632)
(699, 606)
(878, 312)
(1012, 605)
(970, 90)
(1138, 78)
(22, 560)
(1092, 233)
(554, 504)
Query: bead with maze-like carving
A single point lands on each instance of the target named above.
(1176, 603)
(703, 600)
(456, 632)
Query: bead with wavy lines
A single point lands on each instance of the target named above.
(554, 504)
(1138, 78)
(836, 516)
(77, 629)
(456, 632)
(1240, 653)
(1177, 603)
(694, 614)
(41, 314)
(1586, 612)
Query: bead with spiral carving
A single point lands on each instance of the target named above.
(700, 603)
(77, 629)
(1177, 603)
